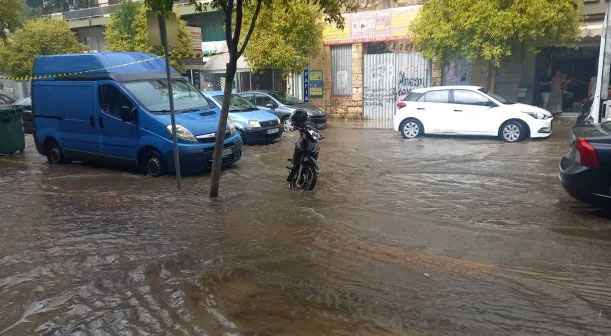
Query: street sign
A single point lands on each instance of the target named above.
(316, 84)
(152, 23)
(306, 85)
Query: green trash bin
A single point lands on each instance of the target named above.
(12, 138)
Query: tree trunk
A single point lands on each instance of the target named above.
(492, 70)
(220, 133)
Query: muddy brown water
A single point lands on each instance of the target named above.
(435, 236)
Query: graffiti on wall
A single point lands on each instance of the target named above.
(380, 87)
(408, 79)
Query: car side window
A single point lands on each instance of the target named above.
(111, 100)
(467, 97)
(438, 96)
(263, 100)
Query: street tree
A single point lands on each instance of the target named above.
(43, 36)
(287, 38)
(235, 23)
(127, 30)
(12, 13)
(488, 29)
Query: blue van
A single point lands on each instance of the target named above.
(254, 125)
(114, 108)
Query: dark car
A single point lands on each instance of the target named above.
(283, 105)
(28, 117)
(585, 171)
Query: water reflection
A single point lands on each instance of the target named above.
(432, 236)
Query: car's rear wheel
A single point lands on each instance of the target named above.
(153, 164)
(512, 131)
(411, 128)
(287, 125)
(55, 155)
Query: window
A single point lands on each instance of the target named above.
(154, 95)
(341, 70)
(250, 97)
(237, 103)
(440, 96)
(286, 99)
(111, 100)
(413, 96)
(262, 100)
(469, 98)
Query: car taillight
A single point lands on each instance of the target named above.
(586, 154)
(401, 104)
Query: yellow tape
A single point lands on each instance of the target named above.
(26, 78)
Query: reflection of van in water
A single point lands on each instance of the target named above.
(120, 114)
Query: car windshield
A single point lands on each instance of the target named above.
(237, 103)
(499, 98)
(153, 94)
(606, 126)
(285, 99)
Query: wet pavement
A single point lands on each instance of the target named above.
(433, 236)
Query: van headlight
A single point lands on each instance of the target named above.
(254, 124)
(181, 133)
(231, 125)
(538, 115)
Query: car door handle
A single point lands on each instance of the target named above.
(101, 122)
(420, 109)
(457, 110)
(91, 122)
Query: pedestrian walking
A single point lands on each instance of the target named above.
(545, 88)
(558, 83)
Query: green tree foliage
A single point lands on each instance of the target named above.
(43, 36)
(245, 21)
(488, 28)
(127, 31)
(287, 38)
(12, 13)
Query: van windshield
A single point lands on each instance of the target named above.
(153, 94)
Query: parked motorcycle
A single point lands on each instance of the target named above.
(584, 117)
(303, 172)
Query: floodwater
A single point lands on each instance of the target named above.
(434, 236)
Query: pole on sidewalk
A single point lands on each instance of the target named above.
(164, 41)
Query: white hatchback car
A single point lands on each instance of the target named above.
(469, 110)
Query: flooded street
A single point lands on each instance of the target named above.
(434, 236)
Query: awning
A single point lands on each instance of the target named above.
(592, 29)
(218, 62)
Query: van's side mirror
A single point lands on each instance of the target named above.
(270, 105)
(127, 113)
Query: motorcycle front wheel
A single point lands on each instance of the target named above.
(305, 179)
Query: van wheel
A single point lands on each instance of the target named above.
(153, 164)
(54, 153)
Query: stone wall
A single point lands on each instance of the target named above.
(344, 107)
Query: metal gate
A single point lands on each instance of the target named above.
(389, 78)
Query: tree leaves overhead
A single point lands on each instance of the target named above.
(287, 35)
(487, 28)
(12, 13)
(44, 36)
(128, 31)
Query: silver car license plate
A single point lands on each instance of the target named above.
(273, 131)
